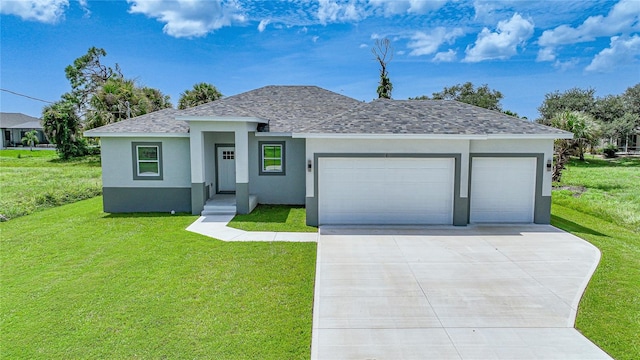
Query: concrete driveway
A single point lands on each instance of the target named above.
(480, 292)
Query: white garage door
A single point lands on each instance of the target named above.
(385, 190)
(502, 190)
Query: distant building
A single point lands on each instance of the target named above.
(15, 125)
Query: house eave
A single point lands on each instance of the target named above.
(135, 135)
(268, 134)
(387, 136)
(222, 119)
(434, 136)
(530, 136)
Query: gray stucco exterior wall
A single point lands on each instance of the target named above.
(198, 197)
(136, 199)
(288, 189)
(311, 206)
(242, 198)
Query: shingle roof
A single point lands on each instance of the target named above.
(161, 121)
(287, 108)
(446, 117)
(19, 121)
(313, 110)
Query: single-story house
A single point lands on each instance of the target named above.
(346, 161)
(15, 125)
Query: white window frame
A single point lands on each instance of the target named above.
(263, 169)
(137, 175)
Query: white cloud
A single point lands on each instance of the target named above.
(445, 56)
(397, 7)
(622, 51)
(623, 18)
(425, 44)
(332, 11)
(315, 38)
(189, 18)
(46, 11)
(84, 5)
(503, 43)
(363, 46)
(336, 11)
(565, 65)
(546, 54)
(263, 24)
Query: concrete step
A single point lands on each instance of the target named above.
(218, 210)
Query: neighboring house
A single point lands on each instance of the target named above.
(14, 125)
(630, 144)
(347, 161)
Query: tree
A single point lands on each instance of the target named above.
(62, 125)
(102, 95)
(571, 100)
(120, 99)
(481, 96)
(631, 99)
(584, 128)
(383, 53)
(201, 93)
(31, 138)
(87, 75)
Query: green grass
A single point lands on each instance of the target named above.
(273, 218)
(35, 180)
(609, 312)
(78, 283)
(612, 189)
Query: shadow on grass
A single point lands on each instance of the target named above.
(267, 214)
(593, 162)
(144, 215)
(571, 226)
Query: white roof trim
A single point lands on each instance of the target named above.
(267, 134)
(388, 136)
(222, 119)
(135, 135)
(434, 136)
(531, 136)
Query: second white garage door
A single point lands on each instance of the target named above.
(385, 190)
(502, 190)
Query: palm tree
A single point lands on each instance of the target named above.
(31, 138)
(585, 132)
(202, 93)
(584, 128)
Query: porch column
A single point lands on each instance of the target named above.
(198, 193)
(242, 170)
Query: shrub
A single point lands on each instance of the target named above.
(610, 150)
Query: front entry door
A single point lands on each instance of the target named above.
(226, 159)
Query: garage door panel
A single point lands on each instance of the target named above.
(502, 190)
(385, 191)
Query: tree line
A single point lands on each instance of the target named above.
(102, 95)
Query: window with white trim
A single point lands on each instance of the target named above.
(272, 158)
(147, 161)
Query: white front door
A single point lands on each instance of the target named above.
(226, 159)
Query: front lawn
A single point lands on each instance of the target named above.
(78, 283)
(274, 218)
(35, 180)
(606, 188)
(601, 204)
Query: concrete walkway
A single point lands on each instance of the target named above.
(215, 226)
(480, 292)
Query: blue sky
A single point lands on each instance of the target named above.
(522, 48)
